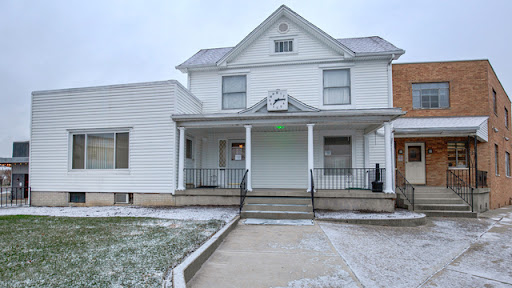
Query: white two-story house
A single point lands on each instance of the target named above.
(289, 109)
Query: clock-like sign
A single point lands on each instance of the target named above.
(277, 100)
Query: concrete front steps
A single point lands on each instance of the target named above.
(293, 206)
(438, 202)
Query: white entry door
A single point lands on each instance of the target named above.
(415, 163)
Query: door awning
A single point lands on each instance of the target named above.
(442, 127)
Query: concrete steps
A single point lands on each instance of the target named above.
(437, 202)
(277, 207)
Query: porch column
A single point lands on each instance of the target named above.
(248, 156)
(388, 188)
(181, 159)
(310, 155)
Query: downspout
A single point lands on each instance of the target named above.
(390, 82)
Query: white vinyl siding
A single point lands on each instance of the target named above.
(369, 85)
(145, 108)
(305, 46)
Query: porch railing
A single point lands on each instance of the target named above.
(243, 190)
(460, 187)
(405, 187)
(346, 178)
(14, 196)
(224, 178)
(468, 176)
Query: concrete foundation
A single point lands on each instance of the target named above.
(481, 199)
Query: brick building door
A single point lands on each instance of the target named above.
(415, 163)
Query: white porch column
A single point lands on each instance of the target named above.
(388, 188)
(311, 158)
(248, 156)
(181, 159)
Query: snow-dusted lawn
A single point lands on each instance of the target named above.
(90, 248)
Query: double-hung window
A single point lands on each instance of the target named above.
(506, 117)
(430, 95)
(496, 160)
(336, 87)
(234, 92)
(507, 163)
(337, 155)
(100, 150)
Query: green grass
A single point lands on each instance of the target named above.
(41, 251)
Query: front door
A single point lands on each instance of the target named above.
(415, 163)
(232, 176)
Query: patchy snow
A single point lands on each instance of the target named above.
(340, 278)
(178, 213)
(402, 256)
(398, 214)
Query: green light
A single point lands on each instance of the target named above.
(279, 127)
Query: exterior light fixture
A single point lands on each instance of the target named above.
(279, 127)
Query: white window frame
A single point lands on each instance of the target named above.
(350, 105)
(330, 133)
(438, 95)
(292, 38)
(97, 131)
(228, 74)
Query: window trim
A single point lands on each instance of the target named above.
(456, 153)
(292, 38)
(71, 133)
(495, 101)
(507, 163)
(349, 105)
(222, 91)
(352, 137)
(507, 119)
(192, 150)
(434, 108)
(496, 160)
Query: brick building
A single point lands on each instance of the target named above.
(450, 107)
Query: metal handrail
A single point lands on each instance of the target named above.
(405, 187)
(347, 178)
(312, 191)
(243, 190)
(460, 187)
(14, 196)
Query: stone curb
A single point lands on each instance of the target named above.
(404, 222)
(189, 267)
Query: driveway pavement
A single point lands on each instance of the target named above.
(447, 252)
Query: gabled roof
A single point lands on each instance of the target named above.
(351, 46)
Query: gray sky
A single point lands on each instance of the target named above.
(62, 44)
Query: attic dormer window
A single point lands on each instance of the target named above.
(282, 46)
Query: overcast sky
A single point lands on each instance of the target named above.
(62, 44)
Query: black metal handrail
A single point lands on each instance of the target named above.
(347, 178)
(14, 196)
(227, 178)
(405, 187)
(243, 190)
(460, 187)
(312, 191)
(468, 176)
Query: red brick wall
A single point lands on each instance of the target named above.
(471, 85)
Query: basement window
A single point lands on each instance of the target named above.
(77, 197)
(123, 198)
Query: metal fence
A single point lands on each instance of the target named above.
(229, 178)
(14, 196)
(347, 178)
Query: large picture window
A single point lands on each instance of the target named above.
(234, 92)
(430, 95)
(337, 154)
(336, 87)
(100, 151)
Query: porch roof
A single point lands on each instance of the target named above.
(442, 127)
(373, 117)
(14, 160)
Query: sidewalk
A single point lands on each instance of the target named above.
(275, 256)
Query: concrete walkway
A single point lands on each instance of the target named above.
(275, 256)
(447, 252)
